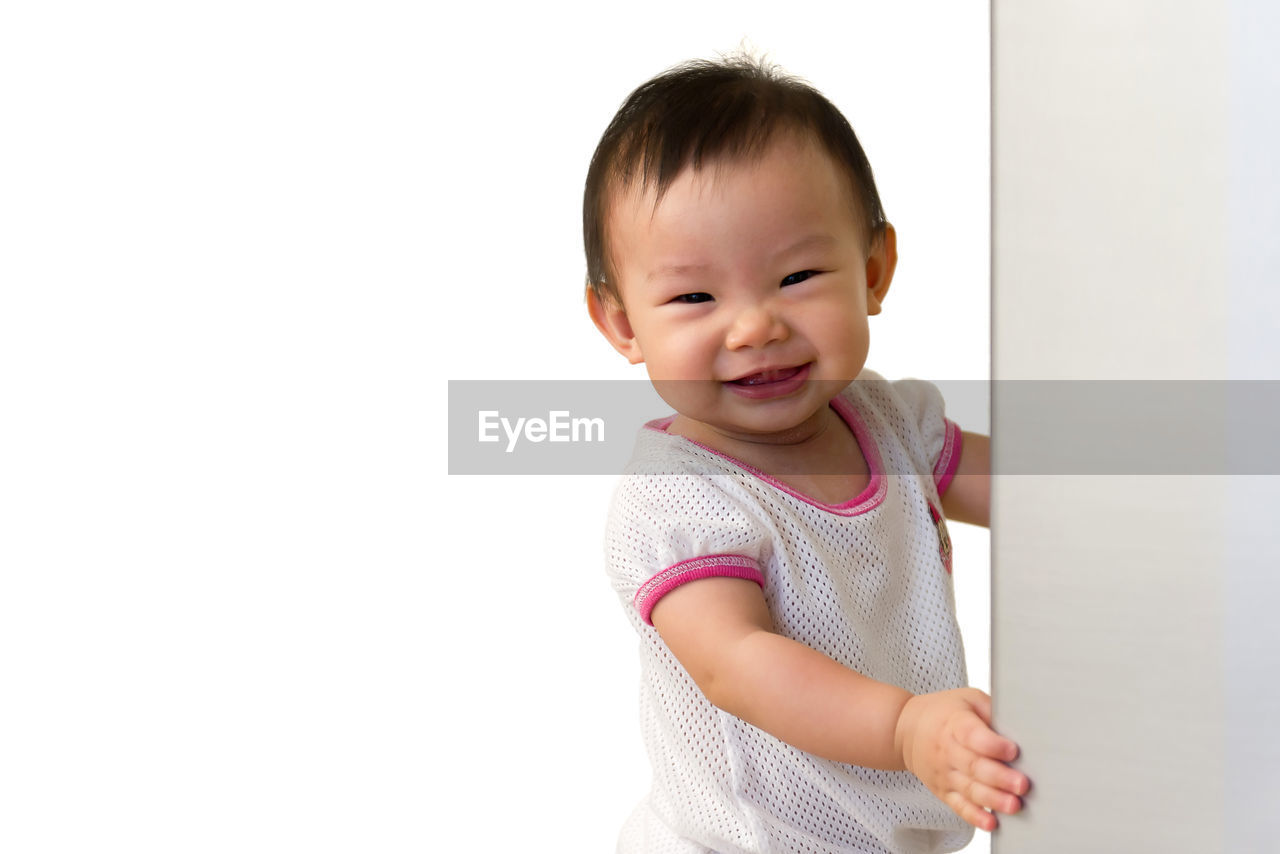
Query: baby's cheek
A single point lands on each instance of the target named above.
(690, 358)
(675, 365)
(844, 347)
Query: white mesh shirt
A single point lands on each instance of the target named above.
(867, 583)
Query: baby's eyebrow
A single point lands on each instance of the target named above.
(812, 240)
(678, 270)
(675, 270)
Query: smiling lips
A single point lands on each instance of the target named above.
(775, 382)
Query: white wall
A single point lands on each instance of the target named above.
(1134, 221)
(246, 246)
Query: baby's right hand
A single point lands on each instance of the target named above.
(946, 740)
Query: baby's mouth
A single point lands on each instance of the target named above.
(774, 375)
(771, 383)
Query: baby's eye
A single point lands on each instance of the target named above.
(797, 278)
(692, 298)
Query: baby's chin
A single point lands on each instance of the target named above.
(705, 405)
(733, 436)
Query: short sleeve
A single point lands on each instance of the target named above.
(666, 530)
(940, 435)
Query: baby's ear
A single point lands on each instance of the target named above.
(882, 260)
(611, 319)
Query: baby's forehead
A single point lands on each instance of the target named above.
(632, 194)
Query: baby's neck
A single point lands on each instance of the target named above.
(820, 459)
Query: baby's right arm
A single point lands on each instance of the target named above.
(721, 632)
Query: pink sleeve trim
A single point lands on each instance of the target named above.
(949, 459)
(711, 566)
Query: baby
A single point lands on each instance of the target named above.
(779, 542)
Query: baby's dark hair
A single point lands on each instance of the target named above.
(698, 112)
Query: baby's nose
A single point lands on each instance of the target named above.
(755, 326)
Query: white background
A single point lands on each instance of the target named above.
(245, 246)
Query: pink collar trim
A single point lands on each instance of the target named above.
(869, 499)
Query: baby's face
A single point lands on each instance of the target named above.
(746, 291)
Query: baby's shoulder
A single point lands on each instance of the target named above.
(670, 477)
(900, 402)
(906, 420)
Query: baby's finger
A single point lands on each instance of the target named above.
(985, 796)
(981, 703)
(999, 776)
(987, 742)
(970, 812)
(966, 767)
